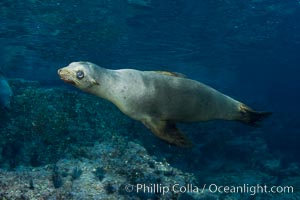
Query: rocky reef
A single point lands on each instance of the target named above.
(59, 143)
(107, 171)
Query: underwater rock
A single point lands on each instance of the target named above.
(272, 166)
(48, 128)
(122, 164)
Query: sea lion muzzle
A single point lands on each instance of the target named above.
(65, 76)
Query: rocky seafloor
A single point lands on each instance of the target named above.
(59, 143)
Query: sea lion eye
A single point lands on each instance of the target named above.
(79, 74)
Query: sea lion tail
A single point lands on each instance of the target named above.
(250, 116)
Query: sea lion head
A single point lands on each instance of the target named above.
(78, 74)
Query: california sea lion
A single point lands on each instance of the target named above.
(158, 99)
(5, 93)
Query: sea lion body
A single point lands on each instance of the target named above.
(141, 94)
(158, 99)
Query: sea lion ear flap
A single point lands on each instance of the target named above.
(94, 82)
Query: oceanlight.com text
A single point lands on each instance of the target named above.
(208, 188)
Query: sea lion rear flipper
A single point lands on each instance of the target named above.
(251, 117)
(168, 132)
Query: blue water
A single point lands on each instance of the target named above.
(246, 49)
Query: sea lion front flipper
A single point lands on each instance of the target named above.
(168, 132)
